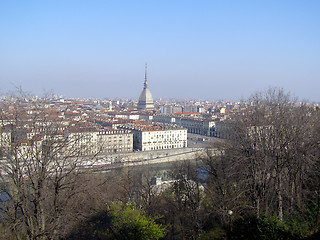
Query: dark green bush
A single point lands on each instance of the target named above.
(265, 228)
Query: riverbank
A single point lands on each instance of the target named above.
(149, 157)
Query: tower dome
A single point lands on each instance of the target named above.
(145, 99)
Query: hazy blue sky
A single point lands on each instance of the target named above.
(194, 49)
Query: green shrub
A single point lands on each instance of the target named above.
(264, 228)
(131, 224)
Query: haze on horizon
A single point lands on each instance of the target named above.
(194, 49)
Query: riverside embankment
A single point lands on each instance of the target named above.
(148, 157)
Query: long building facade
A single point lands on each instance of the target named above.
(148, 136)
(197, 126)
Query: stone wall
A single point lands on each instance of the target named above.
(153, 156)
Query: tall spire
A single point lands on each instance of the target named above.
(145, 100)
(145, 77)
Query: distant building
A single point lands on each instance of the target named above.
(169, 109)
(155, 136)
(92, 141)
(115, 141)
(194, 125)
(145, 99)
(62, 141)
(190, 108)
(222, 130)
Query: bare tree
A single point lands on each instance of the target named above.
(312, 183)
(269, 152)
(224, 190)
(179, 202)
(39, 168)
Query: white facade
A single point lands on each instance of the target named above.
(164, 119)
(127, 116)
(156, 136)
(115, 141)
(159, 139)
(93, 142)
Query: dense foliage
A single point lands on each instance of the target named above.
(120, 221)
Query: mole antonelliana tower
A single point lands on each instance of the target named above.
(145, 99)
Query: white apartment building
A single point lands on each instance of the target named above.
(115, 141)
(154, 136)
(93, 141)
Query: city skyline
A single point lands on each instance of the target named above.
(194, 50)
